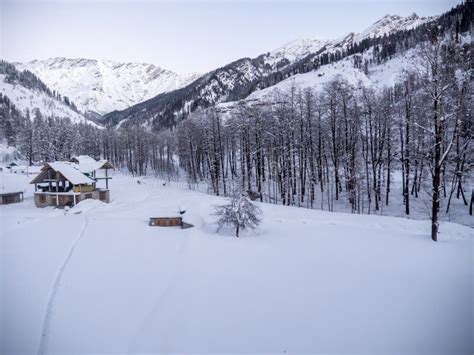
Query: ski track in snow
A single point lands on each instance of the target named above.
(43, 343)
(151, 315)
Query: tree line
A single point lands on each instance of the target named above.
(40, 138)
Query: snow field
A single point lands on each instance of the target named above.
(305, 281)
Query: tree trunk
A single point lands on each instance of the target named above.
(436, 173)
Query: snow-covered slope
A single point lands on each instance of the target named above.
(295, 50)
(97, 279)
(392, 23)
(300, 48)
(378, 76)
(102, 86)
(25, 98)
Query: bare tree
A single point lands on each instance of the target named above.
(239, 213)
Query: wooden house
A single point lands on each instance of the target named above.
(67, 183)
(11, 197)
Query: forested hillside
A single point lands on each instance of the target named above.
(26, 104)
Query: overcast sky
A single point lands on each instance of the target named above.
(184, 36)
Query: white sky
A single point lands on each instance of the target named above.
(184, 36)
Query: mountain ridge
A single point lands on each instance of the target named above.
(99, 86)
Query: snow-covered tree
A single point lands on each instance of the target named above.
(239, 213)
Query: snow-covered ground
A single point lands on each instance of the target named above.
(98, 279)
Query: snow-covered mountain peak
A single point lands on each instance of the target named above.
(105, 85)
(295, 50)
(392, 23)
(302, 45)
(300, 48)
(60, 62)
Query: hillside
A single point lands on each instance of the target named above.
(299, 284)
(27, 93)
(301, 48)
(375, 76)
(101, 86)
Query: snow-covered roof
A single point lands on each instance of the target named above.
(88, 164)
(82, 159)
(71, 172)
(75, 171)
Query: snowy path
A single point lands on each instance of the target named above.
(46, 324)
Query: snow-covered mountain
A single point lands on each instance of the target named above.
(392, 23)
(241, 78)
(300, 48)
(101, 86)
(27, 93)
(377, 77)
(295, 50)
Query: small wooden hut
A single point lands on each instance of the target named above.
(11, 197)
(169, 218)
(166, 221)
